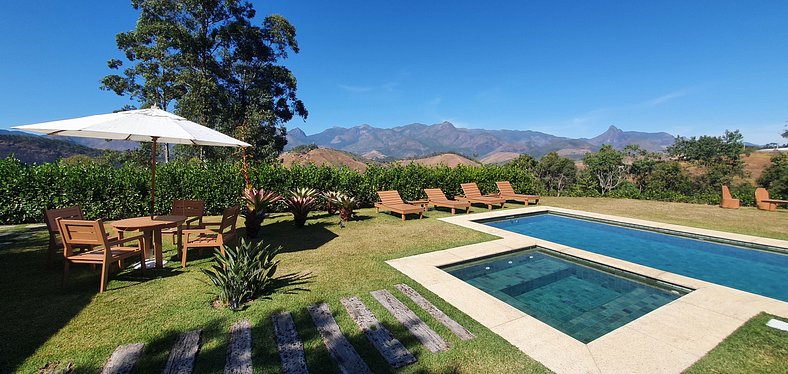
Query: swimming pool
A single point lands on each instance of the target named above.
(757, 271)
(574, 296)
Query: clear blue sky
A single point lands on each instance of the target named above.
(569, 68)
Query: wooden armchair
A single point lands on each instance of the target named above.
(193, 210)
(82, 233)
(51, 215)
(728, 201)
(207, 237)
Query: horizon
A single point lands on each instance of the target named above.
(566, 70)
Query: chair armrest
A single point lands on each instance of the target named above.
(199, 231)
(190, 220)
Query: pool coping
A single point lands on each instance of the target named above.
(669, 339)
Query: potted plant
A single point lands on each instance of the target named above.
(257, 203)
(346, 204)
(301, 201)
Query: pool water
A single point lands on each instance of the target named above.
(583, 302)
(761, 272)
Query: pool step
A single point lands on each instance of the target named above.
(182, 355)
(427, 336)
(436, 313)
(338, 346)
(389, 347)
(291, 350)
(239, 351)
(123, 359)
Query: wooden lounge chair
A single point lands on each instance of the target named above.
(82, 233)
(210, 238)
(507, 192)
(437, 198)
(194, 210)
(474, 195)
(763, 201)
(728, 202)
(391, 201)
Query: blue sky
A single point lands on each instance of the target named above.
(568, 68)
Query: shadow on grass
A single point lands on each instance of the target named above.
(293, 239)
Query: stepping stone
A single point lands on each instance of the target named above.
(341, 350)
(123, 359)
(436, 313)
(392, 350)
(777, 324)
(239, 352)
(291, 350)
(428, 337)
(181, 360)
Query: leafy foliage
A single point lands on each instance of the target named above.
(718, 156)
(346, 204)
(775, 177)
(556, 172)
(301, 201)
(607, 166)
(257, 202)
(243, 272)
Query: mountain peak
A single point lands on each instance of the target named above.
(446, 125)
(613, 130)
(296, 132)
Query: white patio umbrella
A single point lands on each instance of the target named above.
(153, 124)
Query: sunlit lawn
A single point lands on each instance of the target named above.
(323, 262)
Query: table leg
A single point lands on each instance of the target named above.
(147, 241)
(157, 249)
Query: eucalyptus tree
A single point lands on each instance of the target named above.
(216, 66)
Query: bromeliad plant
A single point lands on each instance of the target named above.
(257, 204)
(301, 201)
(331, 198)
(243, 272)
(346, 204)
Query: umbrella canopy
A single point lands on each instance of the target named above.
(141, 125)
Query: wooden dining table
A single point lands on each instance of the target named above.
(151, 227)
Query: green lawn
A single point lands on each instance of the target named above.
(322, 262)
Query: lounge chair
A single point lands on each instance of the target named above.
(391, 201)
(507, 192)
(194, 210)
(728, 202)
(437, 198)
(206, 237)
(763, 201)
(82, 233)
(474, 195)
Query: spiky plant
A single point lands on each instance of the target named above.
(301, 201)
(330, 198)
(243, 272)
(256, 205)
(346, 204)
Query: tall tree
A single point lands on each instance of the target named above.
(557, 172)
(607, 166)
(219, 68)
(719, 156)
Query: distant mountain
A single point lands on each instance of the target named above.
(324, 156)
(448, 159)
(39, 149)
(115, 145)
(418, 140)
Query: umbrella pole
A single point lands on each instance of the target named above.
(153, 175)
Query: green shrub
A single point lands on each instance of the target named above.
(243, 272)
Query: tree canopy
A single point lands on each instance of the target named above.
(216, 67)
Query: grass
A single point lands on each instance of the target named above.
(321, 263)
(753, 348)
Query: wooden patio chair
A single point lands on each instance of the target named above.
(763, 201)
(474, 195)
(391, 201)
(51, 216)
(207, 237)
(728, 202)
(437, 198)
(507, 192)
(193, 210)
(83, 233)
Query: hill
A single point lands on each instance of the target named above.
(418, 140)
(324, 156)
(499, 157)
(39, 149)
(448, 159)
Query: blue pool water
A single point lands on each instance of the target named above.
(583, 302)
(761, 272)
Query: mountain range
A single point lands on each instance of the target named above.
(419, 140)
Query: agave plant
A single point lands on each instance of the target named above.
(346, 204)
(242, 272)
(257, 203)
(331, 198)
(301, 201)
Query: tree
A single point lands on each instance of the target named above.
(218, 68)
(556, 171)
(642, 164)
(607, 166)
(524, 161)
(775, 176)
(719, 156)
